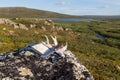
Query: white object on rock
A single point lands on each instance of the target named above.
(40, 48)
(62, 50)
(54, 40)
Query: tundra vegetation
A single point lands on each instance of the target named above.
(95, 43)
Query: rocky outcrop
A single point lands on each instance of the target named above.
(22, 26)
(13, 24)
(27, 66)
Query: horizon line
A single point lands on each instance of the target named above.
(56, 11)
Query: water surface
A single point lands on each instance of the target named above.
(72, 19)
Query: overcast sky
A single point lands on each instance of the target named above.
(73, 7)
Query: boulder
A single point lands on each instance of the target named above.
(15, 26)
(22, 26)
(33, 26)
(60, 28)
(2, 21)
(47, 23)
(27, 66)
(11, 23)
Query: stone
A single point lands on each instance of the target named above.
(58, 28)
(33, 26)
(29, 67)
(15, 26)
(4, 29)
(2, 64)
(7, 78)
(11, 23)
(28, 53)
(22, 26)
(68, 29)
(118, 67)
(25, 71)
(43, 28)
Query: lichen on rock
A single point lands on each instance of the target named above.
(34, 68)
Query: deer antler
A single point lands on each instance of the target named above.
(61, 51)
(65, 47)
(47, 40)
(54, 40)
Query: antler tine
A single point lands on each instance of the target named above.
(54, 40)
(62, 50)
(47, 40)
(65, 47)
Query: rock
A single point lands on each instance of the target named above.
(15, 26)
(118, 67)
(7, 78)
(4, 29)
(49, 20)
(53, 27)
(24, 71)
(47, 23)
(2, 64)
(26, 66)
(11, 23)
(32, 25)
(43, 28)
(27, 53)
(22, 26)
(60, 28)
(1, 21)
(6, 21)
(68, 29)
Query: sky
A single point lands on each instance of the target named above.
(72, 7)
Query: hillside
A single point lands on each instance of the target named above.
(22, 12)
(95, 43)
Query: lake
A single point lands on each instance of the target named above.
(72, 19)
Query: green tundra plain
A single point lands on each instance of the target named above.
(95, 43)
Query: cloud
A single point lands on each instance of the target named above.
(61, 3)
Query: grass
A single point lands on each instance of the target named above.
(100, 56)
